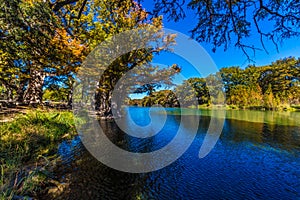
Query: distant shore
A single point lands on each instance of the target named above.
(235, 107)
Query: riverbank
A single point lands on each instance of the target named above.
(259, 108)
(28, 146)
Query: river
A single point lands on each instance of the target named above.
(256, 157)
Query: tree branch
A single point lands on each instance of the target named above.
(59, 5)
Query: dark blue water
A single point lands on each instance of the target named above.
(251, 160)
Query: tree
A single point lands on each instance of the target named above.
(43, 45)
(102, 19)
(223, 22)
(293, 95)
(36, 46)
(245, 96)
(280, 74)
(8, 77)
(146, 79)
(194, 87)
(216, 88)
(231, 77)
(255, 87)
(186, 94)
(164, 98)
(269, 99)
(206, 90)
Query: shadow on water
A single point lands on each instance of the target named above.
(252, 160)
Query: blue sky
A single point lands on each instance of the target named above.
(232, 57)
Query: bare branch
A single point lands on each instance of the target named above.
(59, 5)
(81, 10)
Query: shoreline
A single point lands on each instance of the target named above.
(293, 108)
(29, 144)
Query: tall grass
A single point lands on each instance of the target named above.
(25, 144)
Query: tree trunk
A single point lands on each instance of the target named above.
(70, 98)
(70, 94)
(34, 92)
(21, 91)
(103, 98)
(103, 104)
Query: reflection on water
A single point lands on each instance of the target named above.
(270, 117)
(254, 160)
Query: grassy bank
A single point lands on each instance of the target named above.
(28, 147)
(282, 107)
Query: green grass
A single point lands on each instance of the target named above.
(26, 145)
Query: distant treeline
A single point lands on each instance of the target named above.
(272, 87)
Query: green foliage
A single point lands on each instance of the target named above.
(164, 98)
(60, 94)
(220, 99)
(193, 88)
(43, 46)
(219, 22)
(34, 44)
(270, 87)
(269, 101)
(245, 96)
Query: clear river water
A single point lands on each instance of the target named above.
(256, 157)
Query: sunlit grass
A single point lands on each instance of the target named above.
(25, 144)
